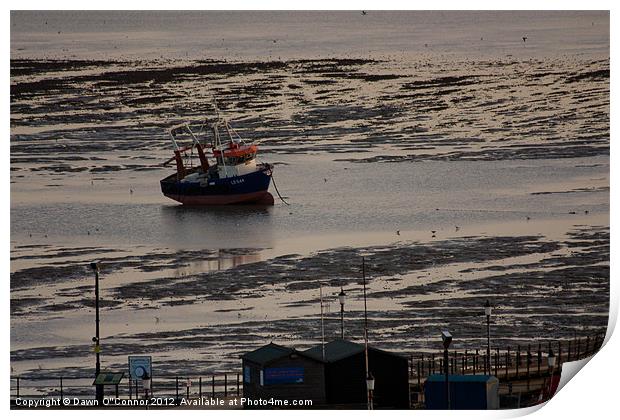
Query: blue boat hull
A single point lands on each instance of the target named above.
(246, 189)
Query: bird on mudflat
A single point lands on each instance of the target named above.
(398, 232)
(524, 38)
(364, 13)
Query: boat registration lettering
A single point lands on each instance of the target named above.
(237, 181)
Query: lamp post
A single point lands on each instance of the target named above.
(370, 386)
(369, 402)
(487, 312)
(98, 388)
(446, 338)
(341, 297)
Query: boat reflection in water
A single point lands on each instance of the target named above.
(219, 227)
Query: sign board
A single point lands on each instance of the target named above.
(284, 375)
(140, 367)
(109, 378)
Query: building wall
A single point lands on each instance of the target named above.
(312, 387)
(346, 380)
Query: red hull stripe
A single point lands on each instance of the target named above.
(259, 197)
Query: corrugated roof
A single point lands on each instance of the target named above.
(267, 353)
(334, 350)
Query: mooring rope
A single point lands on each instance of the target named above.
(276, 187)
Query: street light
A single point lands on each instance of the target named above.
(341, 297)
(487, 312)
(446, 338)
(370, 386)
(98, 388)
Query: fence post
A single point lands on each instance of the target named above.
(61, 390)
(475, 361)
(200, 387)
(433, 362)
(187, 385)
(578, 351)
(568, 356)
(507, 361)
(213, 386)
(539, 357)
(588, 350)
(559, 353)
(518, 361)
(237, 384)
(177, 389)
(225, 385)
(17, 387)
(466, 361)
(496, 361)
(454, 362)
(529, 362)
(419, 375)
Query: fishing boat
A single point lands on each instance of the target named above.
(235, 176)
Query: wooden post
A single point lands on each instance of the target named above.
(578, 351)
(454, 363)
(507, 361)
(568, 357)
(518, 361)
(61, 390)
(529, 362)
(462, 365)
(539, 361)
(559, 353)
(177, 388)
(588, 349)
(17, 389)
(116, 390)
(411, 366)
(225, 385)
(237, 384)
(433, 362)
(441, 365)
(213, 386)
(419, 382)
(200, 387)
(187, 388)
(475, 361)
(496, 361)
(466, 361)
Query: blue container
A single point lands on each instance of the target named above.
(467, 392)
